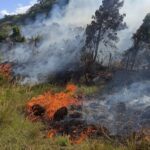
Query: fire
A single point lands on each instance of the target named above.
(78, 132)
(6, 70)
(54, 107)
(52, 133)
(71, 88)
(49, 103)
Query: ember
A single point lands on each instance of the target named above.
(77, 130)
(6, 70)
(63, 114)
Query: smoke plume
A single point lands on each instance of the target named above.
(61, 40)
(62, 37)
(123, 111)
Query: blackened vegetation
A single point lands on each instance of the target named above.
(38, 110)
(60, 114)
(81, 75)
(79, 130)
(69, 121)
(103, 29)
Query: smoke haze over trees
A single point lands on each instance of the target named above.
(60, 26)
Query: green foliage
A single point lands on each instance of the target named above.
(62, 141)
(3, 80)
(35, 40)
(16, 35)
(89, 90)
(11, 32)
(5, 31)
(16, 31)
(38, 8)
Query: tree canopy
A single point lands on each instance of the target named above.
(106, 22)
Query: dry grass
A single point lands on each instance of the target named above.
(18, 133)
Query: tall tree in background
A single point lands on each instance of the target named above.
(141, 41)
(106, 22)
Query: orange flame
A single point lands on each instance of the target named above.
(79, 133)
(49, 104)
(52, 133)
(52, 102)
(84, 134)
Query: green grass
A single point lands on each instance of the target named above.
(89, 90)
(18, 133)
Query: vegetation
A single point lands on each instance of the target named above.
(5, 31)
(141, 41)
(10, 32)
(42, 7)
(107, 21)
(35, 40)
(103, 29)
(17, 132)
(16, 35)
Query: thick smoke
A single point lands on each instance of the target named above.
(62, 35)
(123, 111)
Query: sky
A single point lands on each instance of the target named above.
(14, 6)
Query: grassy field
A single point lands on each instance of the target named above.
(18, 133)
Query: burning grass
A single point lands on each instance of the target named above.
(63, 114)
(46, 105)
(16, 132)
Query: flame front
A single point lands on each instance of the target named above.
(52, 102)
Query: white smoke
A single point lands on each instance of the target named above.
(63, 36)
(122, 112)
(62, 39)
(135, 11)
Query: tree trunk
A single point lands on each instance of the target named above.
(110, 60)
(134, 56)
(127, 63)
(97, 45)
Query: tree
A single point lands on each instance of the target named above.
(106, 22)
(35, 40)
(5, 31)
(41, 1)
(141, 41)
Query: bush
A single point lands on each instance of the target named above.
(16, 35)
(5, 30)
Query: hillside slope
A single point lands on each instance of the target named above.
(42, 7)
